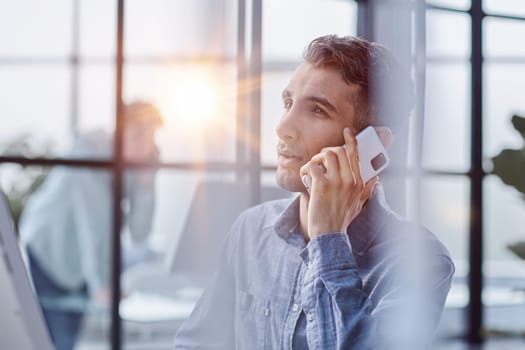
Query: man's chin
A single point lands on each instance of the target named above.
(290, 183)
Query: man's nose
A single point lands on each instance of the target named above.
(288, 126)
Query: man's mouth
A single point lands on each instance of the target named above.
(286, 156)
(289, 156)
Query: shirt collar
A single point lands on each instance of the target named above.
(361, 231)
(286, 225)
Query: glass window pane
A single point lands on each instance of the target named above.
(445, 212)
(163, 282)
(96, 103)
(503, 87)
(98, 27)
(446, 125)
(66, 227)
(456, 4)
(175, 192)
(448, 34)
(501, 36)
(35, 106)
(504, 221)
(272, 109)
(187, 28)
(316, 18)
(509, 7)
(198, 104)
(36, 28)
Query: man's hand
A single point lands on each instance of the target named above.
(337, 191)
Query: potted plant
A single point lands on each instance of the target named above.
(22, 181)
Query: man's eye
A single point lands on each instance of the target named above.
(319, 110)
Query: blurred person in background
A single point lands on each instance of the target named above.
(66, 227)
(331, 268)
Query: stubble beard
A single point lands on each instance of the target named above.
(289, 181)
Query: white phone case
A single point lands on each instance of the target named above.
(373, 157)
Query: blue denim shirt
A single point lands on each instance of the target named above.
(355, 290)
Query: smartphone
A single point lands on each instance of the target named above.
(373, 157)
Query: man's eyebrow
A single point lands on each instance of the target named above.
(323, 101)
(318, 99)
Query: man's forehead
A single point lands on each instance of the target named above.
(307, 73)
(324, 82)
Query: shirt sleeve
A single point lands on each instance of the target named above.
(210, 325)
(340, 313)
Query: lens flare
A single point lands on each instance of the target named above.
(196, 101)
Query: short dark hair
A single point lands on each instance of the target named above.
(386, 93)
(142, 111)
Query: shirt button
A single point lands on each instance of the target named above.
(310, 317)
(295, 307)
(266, 312)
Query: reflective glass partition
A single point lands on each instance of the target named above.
(455, 115)
(446, 153)
(503, 265)
(40, 198)
(58, 84)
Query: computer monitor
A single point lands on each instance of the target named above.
(214, 208)
(22, 324)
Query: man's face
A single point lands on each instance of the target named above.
(317, 107)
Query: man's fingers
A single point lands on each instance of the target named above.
(353, 156)
(369, 188)
(307, 181)
(346, 174)
(331, 164)
(326, 160)
(317, 171)
(314, 169)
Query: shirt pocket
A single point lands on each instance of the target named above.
(252, 321)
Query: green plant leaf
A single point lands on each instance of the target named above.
(519, 124)
(509, 165)
(518, 248)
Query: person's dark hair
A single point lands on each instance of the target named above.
(386, 93)
(141, 111)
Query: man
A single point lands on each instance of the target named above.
(66, 226)
(332, 268)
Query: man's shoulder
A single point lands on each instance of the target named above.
(411, 239)
(412, 231)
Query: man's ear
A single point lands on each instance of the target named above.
(385, 135)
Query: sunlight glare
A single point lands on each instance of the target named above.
(195, 101)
